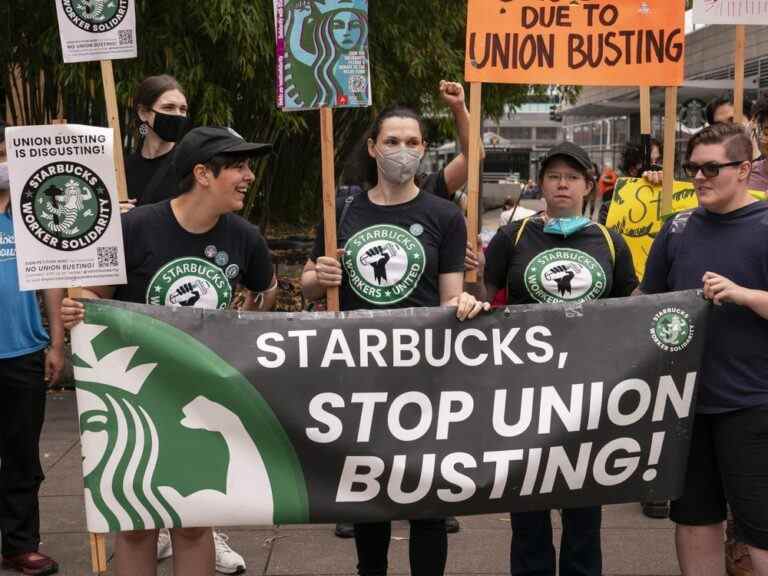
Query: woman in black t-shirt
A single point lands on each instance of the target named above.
(558, 256)
(402, 248)
(160, 111)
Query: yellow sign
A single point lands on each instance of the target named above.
(636, 213)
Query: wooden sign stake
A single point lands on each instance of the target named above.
(113, 117)
(645, 110)
(670, 135)
(738, 75)
(329, 197)
(473, 177)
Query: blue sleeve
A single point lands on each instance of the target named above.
(657, 267)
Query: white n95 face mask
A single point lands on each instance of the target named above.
(399, 166)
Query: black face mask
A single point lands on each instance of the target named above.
(170, 127)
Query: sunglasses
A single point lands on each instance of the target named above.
(709, 169)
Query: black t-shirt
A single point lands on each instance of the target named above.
(547, 268)
(434, 183)
(166, 265)
(734, 372)
(395, 254)
(140, 175)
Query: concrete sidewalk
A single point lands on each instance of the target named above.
(632, 544)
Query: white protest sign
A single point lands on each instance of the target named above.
(748, 12)
(97, 29)
(66, 215)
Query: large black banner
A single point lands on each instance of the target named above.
(193, 417)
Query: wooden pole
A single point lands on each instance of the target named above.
(113, 117)
(738, 75)
(474, 159)
(99, 541)
(329, 197)
(670, 135)
(645, 110)
(99, 553)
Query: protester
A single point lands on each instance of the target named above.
(431, 239)
(721, 109)
(562, 232)
(445, 183)
(721, 244)
(591, 199)
(212, 168)
(160, 112)
(26, 368)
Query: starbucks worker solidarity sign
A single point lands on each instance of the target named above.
(96, 29)
(66, 215)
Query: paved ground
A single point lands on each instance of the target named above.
(632, 544)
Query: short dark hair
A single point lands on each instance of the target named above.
(760, 110)
(631, 157)
(215, 165)
(726, 100)
(738, 144)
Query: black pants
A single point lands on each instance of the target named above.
(532, 553)
(427, 547)
(22, 411)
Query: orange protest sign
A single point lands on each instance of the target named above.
(583, 42)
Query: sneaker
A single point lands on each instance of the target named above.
(345, 530)
(737, 559)
(164, 546)
(227, 560)
(31, 563)
(452, 525)
(657, 510)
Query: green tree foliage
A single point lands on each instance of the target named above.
(222, 51)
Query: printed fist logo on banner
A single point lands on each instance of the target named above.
(218, 449)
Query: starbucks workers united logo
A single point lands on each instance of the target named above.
(564, 275)
(66, 206)
(95, 15)
(384, 263)
(672, 329)
(190, 282)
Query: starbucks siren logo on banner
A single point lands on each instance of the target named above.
(384, 263)
(95, 15)
(672, 329)
(66, 206)
(215, 448)
(564, 275)
(190, 282)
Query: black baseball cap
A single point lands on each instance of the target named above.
(203, 143)
(569, 150)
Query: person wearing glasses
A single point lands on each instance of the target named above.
(723, 246)
(558, 256)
